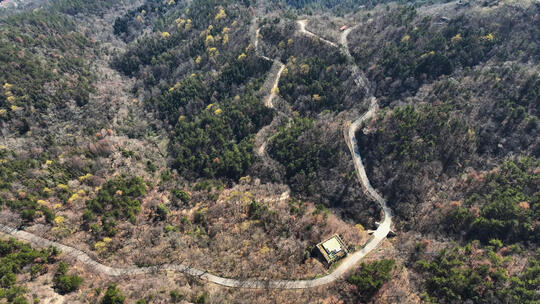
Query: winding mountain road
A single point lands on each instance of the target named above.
(268, 101)
(346, 264)
(302, 24)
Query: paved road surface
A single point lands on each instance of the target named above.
(302, 24)
(268, 102)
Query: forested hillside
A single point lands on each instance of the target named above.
(472, 118)
(170, 148)
(455, 148)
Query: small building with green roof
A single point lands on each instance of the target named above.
(332, 249)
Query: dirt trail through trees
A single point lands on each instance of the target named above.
(345, 265)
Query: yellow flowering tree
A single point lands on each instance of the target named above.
(221, 14)
(212, 52)
(456, 38)
(489, 37)
(209, 40)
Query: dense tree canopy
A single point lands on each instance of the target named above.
(117, 199)
(509, 206)
(17, 258)
(454, 275)
(371, 277)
